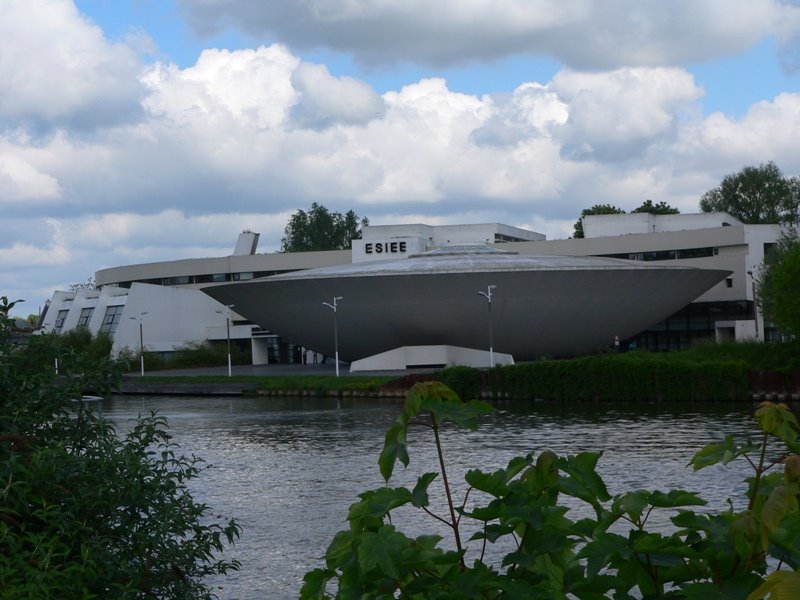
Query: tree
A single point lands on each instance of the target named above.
(662, 208)
(597, 209)
(779, 282)
(89, 284)
(85, 511)
(320, 229)
(756, 195)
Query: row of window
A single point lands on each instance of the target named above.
(110, 320)
(208, 278)
(666, 254)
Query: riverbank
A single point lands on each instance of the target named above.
(643, 376)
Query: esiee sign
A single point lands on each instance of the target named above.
(384, 247)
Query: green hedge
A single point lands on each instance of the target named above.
(633, 377)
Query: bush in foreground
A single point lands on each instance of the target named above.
(84, 511)
(744, 554)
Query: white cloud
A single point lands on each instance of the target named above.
(768, 131)
(54, 253)
(249, 87)
(243, 138)
(21, 182)
(616, 115)
(325, 100)
(57, 68)
(528, 112)
(581, 34)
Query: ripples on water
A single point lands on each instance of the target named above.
(288, 469)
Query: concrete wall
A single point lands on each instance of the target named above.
(174, 316)
(429, 356)
(633, 223)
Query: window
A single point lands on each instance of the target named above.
(729, 282)
(112, 319)
(181, 280)
(86, 316)
(242, 276)
(60, 318)
(695, 252)
(657, 255)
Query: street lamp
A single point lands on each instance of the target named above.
(488, 295)
(140, 318)
(335, 329)
(755, 303)
(227, 314)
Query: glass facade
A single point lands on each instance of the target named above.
(86, 316)
(60, 318)
(692, 324)
(111, 319)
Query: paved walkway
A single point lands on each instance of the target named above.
(132, 383)
(328, 369)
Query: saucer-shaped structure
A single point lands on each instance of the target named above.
(541, 305)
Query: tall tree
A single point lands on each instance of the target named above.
(755, 195)
(779, 282)
(662, 208)
(597, 209)
(320, 229)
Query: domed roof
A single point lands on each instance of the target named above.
(555, 305)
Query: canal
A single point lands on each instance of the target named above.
(287, 469)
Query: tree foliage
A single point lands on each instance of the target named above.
(87, 511)
(597, 209)
(662, 208)
(779, 284)
(756, 195)
(89, 284)
(320, 229)
(648, 206)
(750, 550)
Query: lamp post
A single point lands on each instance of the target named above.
(140, 318)
(755, 303)
(227, 314)
(335, 329)
(488, 295)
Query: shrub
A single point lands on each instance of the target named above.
(87, 512)
(524, 509)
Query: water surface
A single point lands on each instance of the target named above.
(288, 469)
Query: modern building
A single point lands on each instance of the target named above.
(173, 299)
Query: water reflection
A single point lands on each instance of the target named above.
(288, 469)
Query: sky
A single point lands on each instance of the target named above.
(136, 131)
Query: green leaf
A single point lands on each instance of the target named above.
(376, 504)
(419, 495)
(383, 550)
(599, 551)
(583, 481)
(394, 449)
(675, 498)
(314, 584)
(777, 420)
(340, 549)
(631, 504)
(780, 585)
(781, 501)
(463, 414)
(744, 530)
(702, 591)
(495, 484)
(720, 453)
